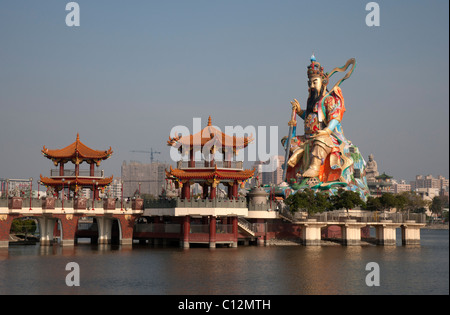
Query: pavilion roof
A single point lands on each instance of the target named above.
(77, 150)
(383, 176)
(207, 134)
(80, 181)
(221, 174)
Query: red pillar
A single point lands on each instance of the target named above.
(92, 169)
(186, 230)
(5, 228)
(61, 169)
(127, 223)
(230, 191)
(228, 158)
(205, 191)
(69, 226)
(212, 194)
(191, 158)
(186, 192)
(235, 189)
(212, 232)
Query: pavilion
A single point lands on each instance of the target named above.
(75, 179)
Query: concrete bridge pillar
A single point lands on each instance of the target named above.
(351, 233)
(104, 229)
(386, 233)
(234, 222)
(212, 232)
(411, 233)
(186, 231)
(311, 232)
(46, 228)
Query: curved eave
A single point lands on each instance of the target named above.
(77, 150)
(211, 174)
(81, 181)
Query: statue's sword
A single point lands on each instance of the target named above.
(292, 126)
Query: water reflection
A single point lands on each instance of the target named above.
(141, 269)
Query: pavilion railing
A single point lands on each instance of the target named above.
(196, 203)
(212, 164)
(81, 173)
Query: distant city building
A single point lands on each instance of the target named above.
(429, 187)
(399, 186)
(115, 188)
(430, 182)
(148, 178)
(428, 193)
(10, 185)
(86, 193)
(265, 173)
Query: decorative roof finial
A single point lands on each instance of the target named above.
(78, 136)
(209, 121)
(313, 58)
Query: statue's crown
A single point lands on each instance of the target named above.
(315, 69)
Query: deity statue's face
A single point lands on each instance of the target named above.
(315, 83)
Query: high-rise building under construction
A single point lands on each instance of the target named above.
(146, 178)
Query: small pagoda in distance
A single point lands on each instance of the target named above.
(76, 179)
(208, 172)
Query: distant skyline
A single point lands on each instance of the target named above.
(133, 70)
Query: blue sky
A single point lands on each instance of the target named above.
(135, 69)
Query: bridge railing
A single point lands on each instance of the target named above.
(199, 228)
(67, 204)
(258, 206)
(158, 228)
(224, 228)
(367, 217)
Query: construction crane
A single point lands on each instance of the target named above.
(151, 153)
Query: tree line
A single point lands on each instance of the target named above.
(316, 202)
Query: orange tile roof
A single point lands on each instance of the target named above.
(207, 134)
(210, 174)
(77, 149)
(81, 181)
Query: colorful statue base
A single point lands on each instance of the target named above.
(352, 178)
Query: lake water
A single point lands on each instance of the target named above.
(246, 270)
